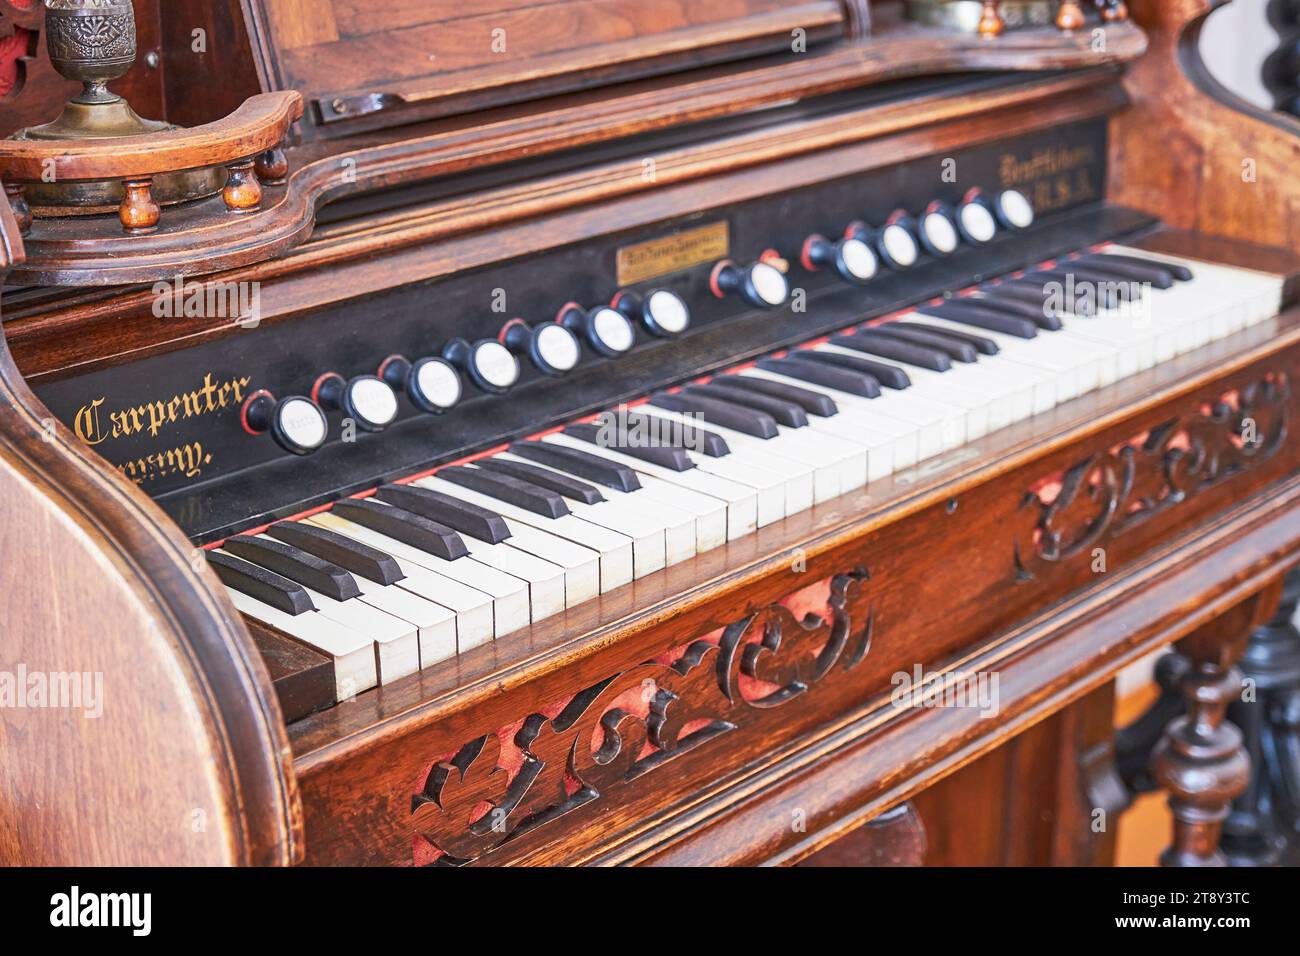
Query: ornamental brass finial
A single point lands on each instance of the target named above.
(92, 42)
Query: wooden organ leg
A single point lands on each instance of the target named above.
(1263, 828)
(1201, 760)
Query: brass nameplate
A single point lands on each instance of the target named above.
(682, 250)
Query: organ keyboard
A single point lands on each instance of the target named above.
(579, 490)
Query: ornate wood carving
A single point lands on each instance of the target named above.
(1107, 493)
(607, 736)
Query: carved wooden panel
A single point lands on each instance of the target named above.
(615, 732)
(1109, 492)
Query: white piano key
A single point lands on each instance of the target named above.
(616, 558)
(353, 654)
(474, 609)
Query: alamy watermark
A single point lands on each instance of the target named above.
(180, 298)
(631, 429)
(946, 689)
(23, 689)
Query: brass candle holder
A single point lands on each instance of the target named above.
(94, 42)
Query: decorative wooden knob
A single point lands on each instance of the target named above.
(243, 192)
(1069, 16)
(990, 24)
(1113, 11)
(272, 167)
(138, 212)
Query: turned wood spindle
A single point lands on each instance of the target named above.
(139, 212)
(1201, 761)
(272, 167)
(1069, 16)
(22, 211)
(990, 24)
(243, 192)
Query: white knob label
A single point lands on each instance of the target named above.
(302, 423)
(858, 258)
(939, 230)
(769, 283)
(1016, 208)
(978, 221)
(899, 244)
(496, 364)
(612, 329)
(438, 384)
(557, 347)
(374, 401)
(668, 311)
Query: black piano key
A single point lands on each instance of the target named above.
(891, 376)
(564, 485)
(464, 517)
(828, 376)
(1034, 293)
(1151, 272)
(361, 559)
(507, 488)
(981, 343)
(956, 349)
(571, 461)
(672, 457)
(871, 342)
(814, 403)
(695, 438)
(786, 413)
(747, 421)
(1006, 324)
(261, 584)
(295, 564)
(404, 526)
(1179, 272)
(1046, 318)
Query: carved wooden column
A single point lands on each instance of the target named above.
(1201, 761)
(1281, 70)
(1263, 828)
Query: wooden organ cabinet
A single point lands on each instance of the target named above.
(635, 431)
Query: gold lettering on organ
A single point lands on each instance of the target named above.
(1053, 177)
(95, 424)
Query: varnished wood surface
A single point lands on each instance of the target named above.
(1192, 152)
(188, 762)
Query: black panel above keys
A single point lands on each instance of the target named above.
(1179, 272)
(786, 413)
(672, 457)
(564, 485)
(956, 349)
(887, 347)
(992, 308)
(982, 319)
(404, 526)
(466, 518)
(370, 563)
(611, 474)
(891, 376)
(819, 373)
(747, 421)
(511, 490)
(814, 403)
(297, 565)
(260, 584)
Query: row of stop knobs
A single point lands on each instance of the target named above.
(433, 383)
